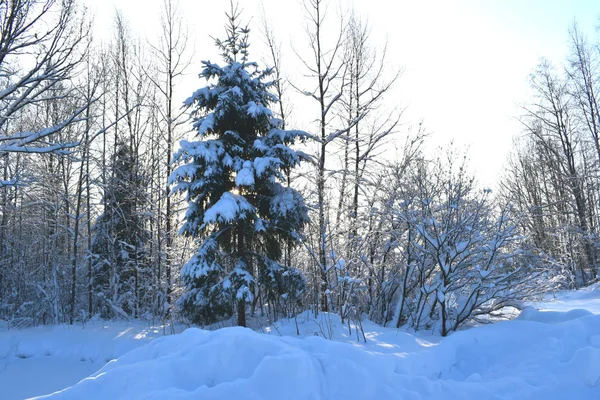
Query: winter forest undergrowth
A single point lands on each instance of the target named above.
(301, 203)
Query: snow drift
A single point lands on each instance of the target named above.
(523, 359)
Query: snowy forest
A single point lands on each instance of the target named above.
(263, 196)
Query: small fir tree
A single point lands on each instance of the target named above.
(238, 209)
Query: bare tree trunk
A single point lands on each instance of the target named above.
(170, 51)
(328, 69)
(76, 237)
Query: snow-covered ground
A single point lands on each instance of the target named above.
(549, 354)
(587, 298)
(45, 359)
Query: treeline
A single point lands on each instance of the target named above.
(552, 177)
(87, 225)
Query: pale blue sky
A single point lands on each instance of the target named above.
(466, 62)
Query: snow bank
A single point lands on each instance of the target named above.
(511, 360)
(587, 298)
(551, 317)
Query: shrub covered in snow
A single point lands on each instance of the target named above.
(442, 254)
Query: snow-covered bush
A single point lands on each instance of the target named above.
(458, 255)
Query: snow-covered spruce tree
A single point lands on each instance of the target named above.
(119, 240)
(239, 211)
